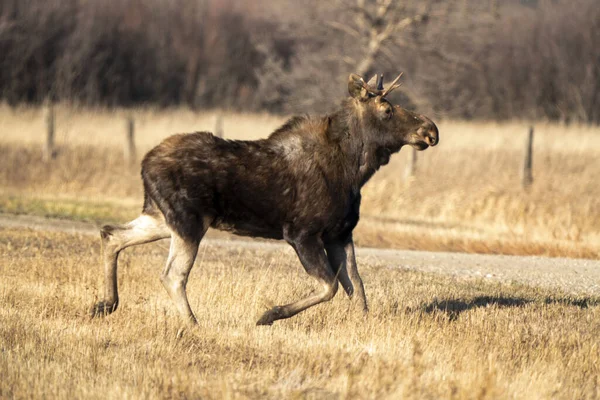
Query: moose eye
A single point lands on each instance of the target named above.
(388, 111)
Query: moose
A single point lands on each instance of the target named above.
(302, 184)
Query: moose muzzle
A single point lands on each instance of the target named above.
(429, 132)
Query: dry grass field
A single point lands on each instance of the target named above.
(466, 195)
(426, 336)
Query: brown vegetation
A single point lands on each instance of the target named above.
(463, 59)
(427, 336)
(467, 198)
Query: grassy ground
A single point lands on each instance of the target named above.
(466, 195)
(426, 336)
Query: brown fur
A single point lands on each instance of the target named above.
(302, 185)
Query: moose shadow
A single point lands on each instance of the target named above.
(452, 308)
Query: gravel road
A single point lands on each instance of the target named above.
(576, 276)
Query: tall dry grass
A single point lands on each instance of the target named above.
(106, 127)
(466, 195)
(426, 336)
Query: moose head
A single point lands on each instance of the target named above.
(389, 125)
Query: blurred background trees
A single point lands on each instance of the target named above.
(537, 59)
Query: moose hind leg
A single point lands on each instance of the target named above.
(175, 275)
(312, 256)
(144, 229)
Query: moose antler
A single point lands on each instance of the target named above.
(380, 82)
(379, 90)
(393, 86)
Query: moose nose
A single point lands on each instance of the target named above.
(432, 135)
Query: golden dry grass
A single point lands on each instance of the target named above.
(106, 127)
(466, 197)
(426, 336)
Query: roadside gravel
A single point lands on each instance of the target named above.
(575, 276)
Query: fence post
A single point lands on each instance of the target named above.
(411, 166)
(49, 117)
(219, 126)
(129, 151)
(527, 177)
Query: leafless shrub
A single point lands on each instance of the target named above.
(467, 59)
(537, 63)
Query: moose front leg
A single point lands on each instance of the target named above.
(343, 260)
(359, 288)
(336, 253)
(311, 252)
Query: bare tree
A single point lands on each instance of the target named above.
(376, 25)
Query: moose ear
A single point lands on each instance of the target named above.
(356, 87)
(373, 81)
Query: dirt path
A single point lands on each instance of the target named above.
(575, 276)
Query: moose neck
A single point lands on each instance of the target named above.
(363, 154)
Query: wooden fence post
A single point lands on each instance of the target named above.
(129, 151)
(527, 177)
(411, 166)
(219, 126)
(49, 117)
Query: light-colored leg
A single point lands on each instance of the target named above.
(115, 238)
(312, 255)
(175, 275)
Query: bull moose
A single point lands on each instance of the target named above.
(302, 185)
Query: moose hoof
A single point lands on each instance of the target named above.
(102, 309)
(270, 316)
(364, 310)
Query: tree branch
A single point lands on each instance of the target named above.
(344, 28)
